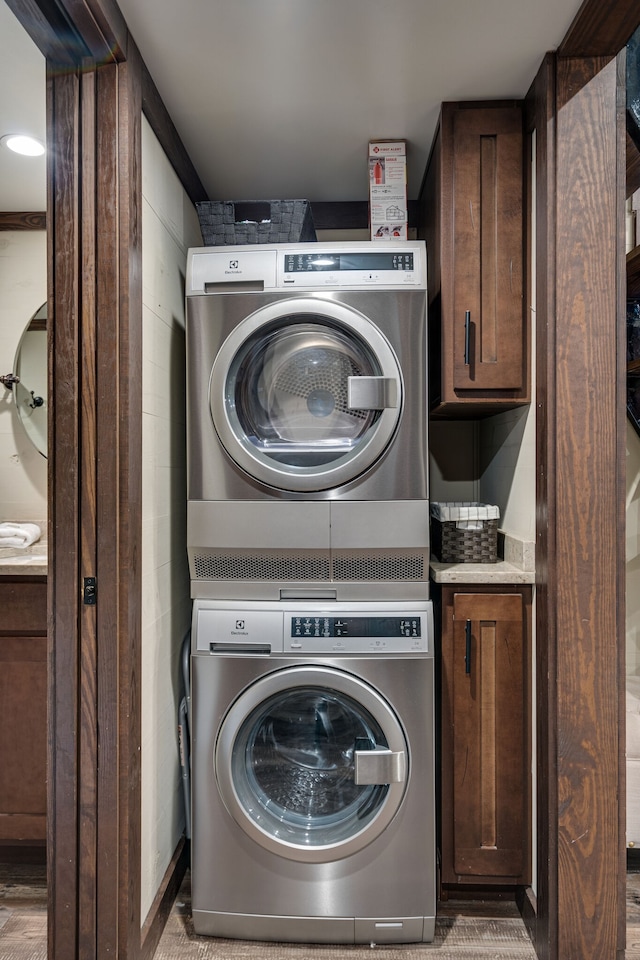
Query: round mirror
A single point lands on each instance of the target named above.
(31, 390)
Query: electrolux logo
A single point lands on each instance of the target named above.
(240, 629)
(234, 267)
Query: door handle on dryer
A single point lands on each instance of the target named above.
(380, 766)
(371, 393)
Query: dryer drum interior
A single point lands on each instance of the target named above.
(298, 396)
(290, 391)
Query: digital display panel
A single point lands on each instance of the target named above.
(344, 262)
(365, 627)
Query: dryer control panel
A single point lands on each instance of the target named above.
(352, 265)
(353, 268)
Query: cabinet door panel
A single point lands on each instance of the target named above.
(487, 250)
(23, 732)
(484, 806)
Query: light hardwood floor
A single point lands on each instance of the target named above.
(487, 930)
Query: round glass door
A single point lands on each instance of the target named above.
(311, 763)
(305, 395)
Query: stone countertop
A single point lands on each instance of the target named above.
(500, 572)
(31, 561)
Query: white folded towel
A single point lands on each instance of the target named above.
(19, 534)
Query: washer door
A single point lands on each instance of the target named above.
(305, 394)
(312, 763)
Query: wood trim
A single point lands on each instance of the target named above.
(633, 166)
(587, 431)
(23, 221)
(350, 214)
(108, 286)
(49, 27)
(63, 128)
(601, 28)
(101, 25)
(99, 349)
(620, 501)
(542, 111)
(68, 31)
(580, 596)
(88, 734)
(528, 907)
(129, 505)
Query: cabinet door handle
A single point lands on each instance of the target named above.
(467, 649)
(467, 337)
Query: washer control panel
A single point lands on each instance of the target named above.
(270, 628)
(310, 633)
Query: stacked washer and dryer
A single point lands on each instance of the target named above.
(312, 715)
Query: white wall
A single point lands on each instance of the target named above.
(633, 551)
(508, 469)
(23, 290)
(169, 227)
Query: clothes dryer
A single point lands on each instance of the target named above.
(307, 418)
(313, 806)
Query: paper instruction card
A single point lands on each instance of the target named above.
(388, 189)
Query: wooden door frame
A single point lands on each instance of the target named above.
(577, 110)
(95, 443)
(96, 86)
(94, 204)
(580, 509)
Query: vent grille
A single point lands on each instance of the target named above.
(265, 566)
(379, 566)
(359, 565)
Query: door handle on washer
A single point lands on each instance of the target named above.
(380, 766)
(371, 393)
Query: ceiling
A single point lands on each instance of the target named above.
(22, 110)
(279, 98)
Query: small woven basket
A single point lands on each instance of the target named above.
(470, 538)
(226, 222)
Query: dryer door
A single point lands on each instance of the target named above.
(312, 763)
(306, 394)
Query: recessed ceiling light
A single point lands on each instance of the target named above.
(28, 146)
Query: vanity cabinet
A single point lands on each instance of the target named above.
(471, 213)
(485, 782)
(23, 699)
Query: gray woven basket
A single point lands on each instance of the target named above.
(228, 222)
(450, 544)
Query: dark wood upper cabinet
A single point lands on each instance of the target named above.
(471, 213)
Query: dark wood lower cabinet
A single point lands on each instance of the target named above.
(485, 758)
(23, 704)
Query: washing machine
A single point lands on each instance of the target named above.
(313, 771)
(307, 420)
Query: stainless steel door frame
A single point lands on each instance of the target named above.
(365, 819)
(380, 390)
